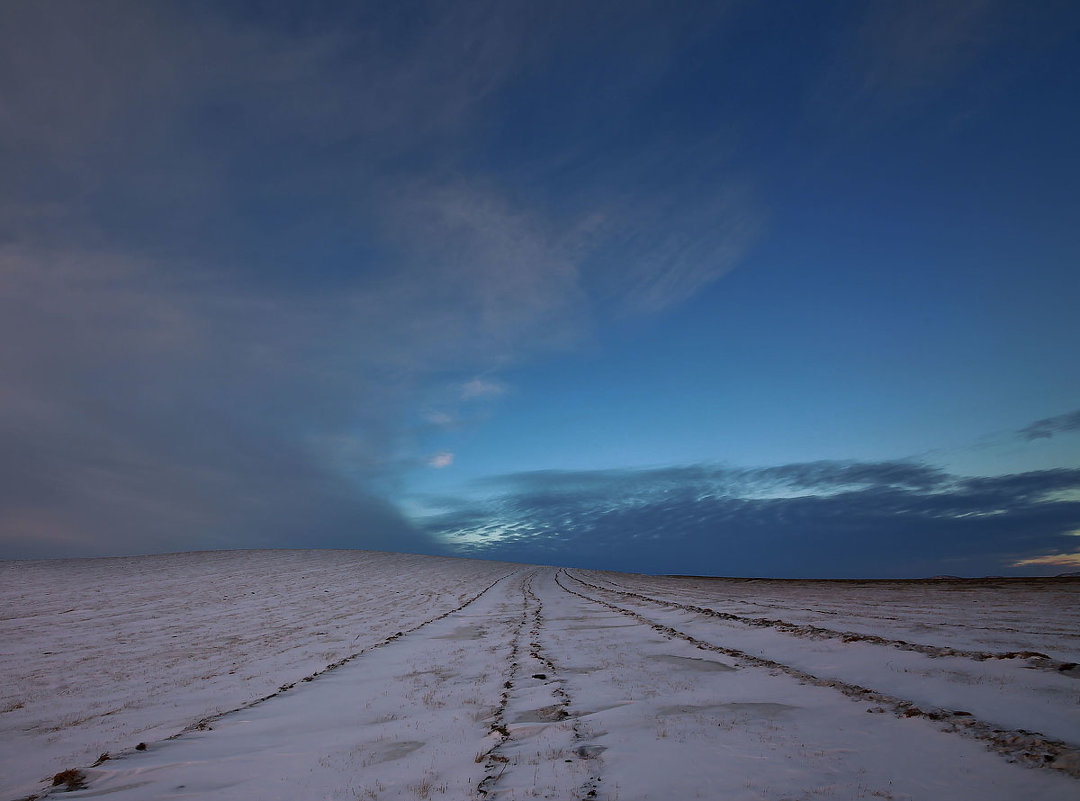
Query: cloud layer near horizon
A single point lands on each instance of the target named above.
(812, 520)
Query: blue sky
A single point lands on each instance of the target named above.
(730, 288)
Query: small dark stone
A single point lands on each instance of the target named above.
(539, 675)
(140, 747)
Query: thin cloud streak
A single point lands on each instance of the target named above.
(1048, 427)
(482, 388)
(441, 459)
(1057, 560)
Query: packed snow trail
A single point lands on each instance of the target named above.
(539, 690)
(543, 751)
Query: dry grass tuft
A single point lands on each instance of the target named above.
(74, 778)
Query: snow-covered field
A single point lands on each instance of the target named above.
(357, 675)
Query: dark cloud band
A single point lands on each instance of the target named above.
(822, 519)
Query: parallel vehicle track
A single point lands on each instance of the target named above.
(1030, 748)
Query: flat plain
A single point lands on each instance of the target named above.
(362, 675)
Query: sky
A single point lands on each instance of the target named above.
(745, 289)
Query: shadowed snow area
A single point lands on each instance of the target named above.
(422, 677)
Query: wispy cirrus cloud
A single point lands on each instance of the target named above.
(705, 238)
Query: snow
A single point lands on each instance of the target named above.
(100, 654)
(986, 615)
(443, 678)
(1008, 693)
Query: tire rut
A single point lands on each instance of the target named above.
(205, 724)
(582, 748)
(528, 647)
(495, 762)
(1034, 659)
(1025, 747)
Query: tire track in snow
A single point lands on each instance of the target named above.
(205, 724)
(534, 677)
(1028, 748)
(790, 607)
(1034, 659)
(495, 762)
(582, 749)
